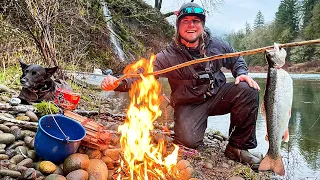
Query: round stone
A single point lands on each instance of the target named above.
(47, 167)
(33, 117)
(7, 138)
(14, 101)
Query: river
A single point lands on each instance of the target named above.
(302, 153)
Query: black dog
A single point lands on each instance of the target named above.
(37, 84)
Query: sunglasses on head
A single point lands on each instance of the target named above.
(196, 10)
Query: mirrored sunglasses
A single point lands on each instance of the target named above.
(196, 10)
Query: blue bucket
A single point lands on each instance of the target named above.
(51, 144)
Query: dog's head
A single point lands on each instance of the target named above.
(34, 77)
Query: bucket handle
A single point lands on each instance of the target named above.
(67, 138)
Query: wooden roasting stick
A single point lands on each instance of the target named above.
(220, 56)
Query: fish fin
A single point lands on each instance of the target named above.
(266, 137)
(286, 135)
(276, 165)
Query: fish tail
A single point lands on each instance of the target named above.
(276, 165)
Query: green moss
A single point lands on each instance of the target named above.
(45, 108)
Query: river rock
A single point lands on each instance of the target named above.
(16, 144)
(28, 133)
(23, 118)
(98, 170)
(47, 167)
(29, 141)
(55, 177)
(79, 174)
(32, 154)
(114, 154)
(26, 163)
(29, 174)
(11, 173)
(9, 124)
(74, 162)
(16, 159)
(5, 128)
(16, 132)
(8, 115)
(7, 138)
(5, 163)
(183, 170)
(11, 152)
(22, 150)
(208, 165)
(94, 154)
(14, 101)
(2, 151)
(3, 146)
(19, 168)
(33, 117)
(5, 98)
(3, 156)
(59, 170)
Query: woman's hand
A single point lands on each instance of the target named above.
(108, 83)
(252, 83)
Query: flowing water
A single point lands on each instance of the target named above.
(302, 154)
(115, 42)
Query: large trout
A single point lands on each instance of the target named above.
(276, 107)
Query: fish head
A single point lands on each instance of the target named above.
(276, 57)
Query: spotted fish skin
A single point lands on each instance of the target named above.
(276, 108)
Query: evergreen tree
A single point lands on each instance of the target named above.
(248, 28)
(287, 21)
(259, 20)
(307, 7)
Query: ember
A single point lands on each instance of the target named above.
(141, 158)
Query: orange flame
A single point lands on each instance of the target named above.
(143, 159)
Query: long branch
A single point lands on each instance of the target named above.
(220, 56)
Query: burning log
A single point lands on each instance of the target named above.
(96, 137)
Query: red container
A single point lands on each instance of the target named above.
(66, 99)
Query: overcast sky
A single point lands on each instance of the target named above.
(230, 14)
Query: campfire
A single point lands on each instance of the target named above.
(142, 158)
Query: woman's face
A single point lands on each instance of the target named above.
(190, 29)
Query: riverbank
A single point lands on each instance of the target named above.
(311, 67)
(208, 164)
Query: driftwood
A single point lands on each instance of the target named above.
(19, 108)
(24, 124)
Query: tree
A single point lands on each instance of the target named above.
(259, 20)
(287, 21)
(307, 7)
(37, 18)
(248, 28)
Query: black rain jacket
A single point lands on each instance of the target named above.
(180, 80)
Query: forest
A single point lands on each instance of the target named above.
(294, 21)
